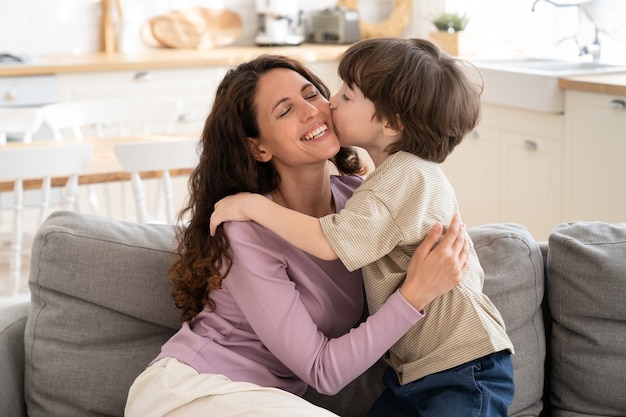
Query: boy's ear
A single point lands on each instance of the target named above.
(258, 152)
(389, 130)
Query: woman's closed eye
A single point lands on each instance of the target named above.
(310, 96)
(284, 112)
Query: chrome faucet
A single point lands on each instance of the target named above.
(555, 4)
(592, 49)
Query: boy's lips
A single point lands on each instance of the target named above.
(315, 133)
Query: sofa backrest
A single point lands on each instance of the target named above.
(515, 282)
(101, 308)
(586, 292)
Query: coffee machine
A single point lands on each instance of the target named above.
(281, 22)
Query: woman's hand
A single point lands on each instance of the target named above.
(436, 268)
(232, 208)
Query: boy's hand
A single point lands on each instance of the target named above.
(232, 208)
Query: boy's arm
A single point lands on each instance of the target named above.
(302, 231)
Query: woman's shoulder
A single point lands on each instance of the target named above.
(351, 182)
(343, 186)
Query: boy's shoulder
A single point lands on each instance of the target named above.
(402, 162)
(401, 170)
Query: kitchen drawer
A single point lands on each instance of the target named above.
(195, 87)
(34, 90)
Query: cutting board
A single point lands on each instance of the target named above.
(195, 28)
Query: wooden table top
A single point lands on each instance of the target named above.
(104, 166)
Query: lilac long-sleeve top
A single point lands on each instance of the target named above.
(286, 319)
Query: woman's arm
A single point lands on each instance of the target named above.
(275, 310)
(302, 231)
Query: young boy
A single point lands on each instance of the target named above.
(408, 105)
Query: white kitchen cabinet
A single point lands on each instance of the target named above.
(509, 169)
(473, 168)
(531, 182)
(194, 86)
(327, 71)
(595, 157)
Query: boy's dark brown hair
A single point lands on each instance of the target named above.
(432, 97)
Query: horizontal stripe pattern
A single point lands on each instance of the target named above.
(379, 229)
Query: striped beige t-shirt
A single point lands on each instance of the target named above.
(379, 229)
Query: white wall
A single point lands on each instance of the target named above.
(72, 26)
(502, 27)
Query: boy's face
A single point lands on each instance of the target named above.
(353, 117)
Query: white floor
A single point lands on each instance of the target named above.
(6, 282)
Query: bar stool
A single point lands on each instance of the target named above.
(33, 162)
(23, 121)
(108, 118)
(156, 156)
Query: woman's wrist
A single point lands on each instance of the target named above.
(412, 296)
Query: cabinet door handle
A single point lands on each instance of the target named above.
(529, 145)
(617, 104)
(11, 95)
(143, 76)
(188, 117)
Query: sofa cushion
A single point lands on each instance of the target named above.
(100, 310)
(12, 323)
(514, 281)
(586, 288)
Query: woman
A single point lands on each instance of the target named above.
(261, 319)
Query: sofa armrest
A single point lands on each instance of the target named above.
(12, 324)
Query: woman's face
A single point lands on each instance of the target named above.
(294, 121)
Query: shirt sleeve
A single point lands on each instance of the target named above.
(271, 303)
(363, 232)
(395, 206)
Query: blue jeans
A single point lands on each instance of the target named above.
(482, 387)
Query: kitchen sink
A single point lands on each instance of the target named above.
(533, 83)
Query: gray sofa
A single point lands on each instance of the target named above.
(100, 309)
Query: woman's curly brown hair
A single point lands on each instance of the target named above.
(227, 166)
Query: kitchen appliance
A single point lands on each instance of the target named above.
(281, 22)
(338, 25)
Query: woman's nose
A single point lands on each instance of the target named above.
(310, 110)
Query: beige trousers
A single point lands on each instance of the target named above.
(170, 388)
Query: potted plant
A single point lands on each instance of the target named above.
(450, 22)
(450, 33)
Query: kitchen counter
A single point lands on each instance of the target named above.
(185, 58)
(168, 58)
(614, 84)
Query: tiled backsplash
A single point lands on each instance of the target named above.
(72, 26)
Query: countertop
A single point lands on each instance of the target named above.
(614, 84)
(179, 58)
(167, 58)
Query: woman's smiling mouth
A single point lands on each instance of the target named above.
(316, 133)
